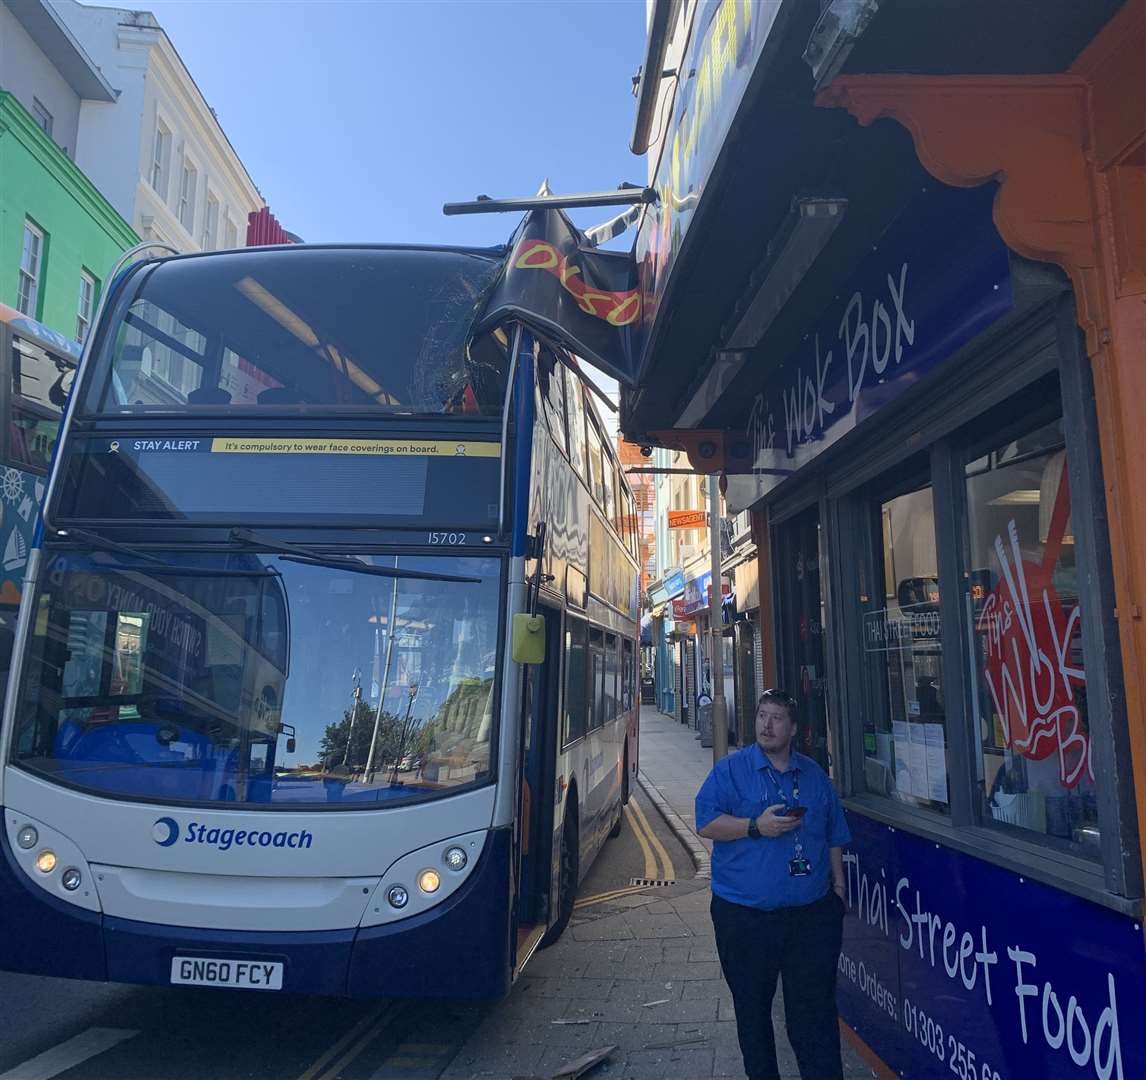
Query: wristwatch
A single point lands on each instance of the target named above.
(754, 832)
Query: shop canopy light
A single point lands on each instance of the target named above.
(795, 247)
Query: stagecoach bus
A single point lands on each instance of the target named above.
(37, 365)
(325, 675)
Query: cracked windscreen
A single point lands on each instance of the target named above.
(303, 329)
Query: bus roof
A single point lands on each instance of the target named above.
(493, 253)
(43, 335)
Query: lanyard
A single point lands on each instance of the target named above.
(781, 796)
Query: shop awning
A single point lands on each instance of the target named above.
(730, 212)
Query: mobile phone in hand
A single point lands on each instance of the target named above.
(795, 811)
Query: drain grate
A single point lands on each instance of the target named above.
(650, 883)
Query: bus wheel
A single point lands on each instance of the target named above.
(615, 831)
(570, 863)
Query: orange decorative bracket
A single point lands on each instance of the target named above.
(1030, 133)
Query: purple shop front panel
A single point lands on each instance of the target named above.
(952, 965)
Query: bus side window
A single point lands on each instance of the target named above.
(609, 475)
(552, 384)
(627, 674)
(575, 410)
(599, 692)
(612, 660)
(576, 678)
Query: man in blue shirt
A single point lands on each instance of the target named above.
(777, 892)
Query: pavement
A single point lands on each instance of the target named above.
(637, 972)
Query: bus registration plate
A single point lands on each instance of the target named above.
(240, 974)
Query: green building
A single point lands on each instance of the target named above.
(58, 234)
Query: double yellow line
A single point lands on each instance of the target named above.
(652, 849)
(351, 1045)
(658, 864)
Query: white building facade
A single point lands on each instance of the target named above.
(157, 153)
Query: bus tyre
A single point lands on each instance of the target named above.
(570, 866)
(615, 831)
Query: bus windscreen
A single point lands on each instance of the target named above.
(250, 678)
(302, 329)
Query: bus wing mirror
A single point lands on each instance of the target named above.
(528, 638)
(291, 745)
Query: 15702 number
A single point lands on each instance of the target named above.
(439, 538)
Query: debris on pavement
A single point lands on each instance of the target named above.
(580, 1066)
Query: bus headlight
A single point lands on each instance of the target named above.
(27, 837)
(397, 896)
(455, 858)
(46, 861)
(71, 878)
(429, 881)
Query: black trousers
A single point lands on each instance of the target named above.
(802, 944)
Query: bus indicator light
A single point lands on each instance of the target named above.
(429, 881)
(397, 896)
(455, 858)
(46, 861)
(71, 878)
(27, 837)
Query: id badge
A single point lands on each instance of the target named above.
(799, 867)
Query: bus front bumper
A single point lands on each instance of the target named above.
(458, 949)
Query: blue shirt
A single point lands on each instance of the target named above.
(755, 872)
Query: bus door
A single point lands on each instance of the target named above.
(539, 766)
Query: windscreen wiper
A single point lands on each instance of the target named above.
(102, 543)
(152, 565)
(307, 555)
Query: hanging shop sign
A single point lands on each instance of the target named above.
(725, 42)
(951, 963)
(939, 277)
(697, 593)
(673, 583)
(688, 519)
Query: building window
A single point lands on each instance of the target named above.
(230, 233)
(31, 261)
(160, 158)
(86, 306)
(210, 232)
(42, 116)
(187, 185)
(905, 733)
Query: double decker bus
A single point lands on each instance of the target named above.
(37, 365)
(325, 676)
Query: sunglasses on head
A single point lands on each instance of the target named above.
(780, 697)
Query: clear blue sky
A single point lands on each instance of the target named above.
(357, 120)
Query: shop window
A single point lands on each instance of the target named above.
(1030, 704)
(576, 661)
(802, 662)
(905, 729)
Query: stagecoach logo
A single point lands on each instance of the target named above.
(166, 832)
